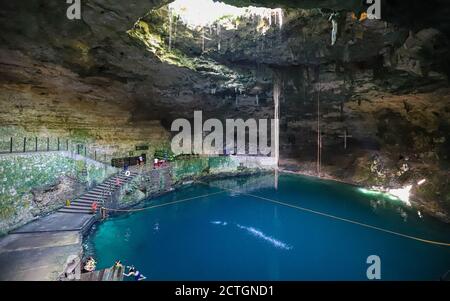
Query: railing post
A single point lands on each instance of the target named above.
(11, 145)
(85, 148)
(58, 143)
(36, 146)
(48, 143)
(95, 155)
(24, 144)
(67, 144)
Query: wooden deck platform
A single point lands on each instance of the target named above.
(110, 274)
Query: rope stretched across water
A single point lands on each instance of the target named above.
(162, 205)
(287, 205)
(337, 217)
(352, 222)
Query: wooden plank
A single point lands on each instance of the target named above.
(109, 274)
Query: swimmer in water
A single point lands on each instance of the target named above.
(90, 264)
(118, 264)
(132, 272)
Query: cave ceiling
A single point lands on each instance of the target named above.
(97, 54)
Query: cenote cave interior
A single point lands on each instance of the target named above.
(224, 140)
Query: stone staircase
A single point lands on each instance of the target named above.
(98, 194)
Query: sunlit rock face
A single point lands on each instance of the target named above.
(36, 184)
(306, 4)
(72, 78)
(112, 81)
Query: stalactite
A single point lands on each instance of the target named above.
(203, 39)
(170, 28)
(319, 137)
(219, 46)
(280, 18)
(276, 178)
(334, 22)
(174, 34)
(305, 88)
(276, 100)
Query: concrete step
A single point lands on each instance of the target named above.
(101, 191)
(123, 175)
(113, 182)
(68, 210)
(132, 173)
(102, 188)
(93, 194)
(79, 207)
(114, 186)
(91, 198)
(98, 189)
(81, 201)
(103, 185)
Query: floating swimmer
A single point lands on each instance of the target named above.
(132, 272)
(90, 265)
(118, 264)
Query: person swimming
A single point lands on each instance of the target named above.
(118, 264)
(90, 264)
(132, 272)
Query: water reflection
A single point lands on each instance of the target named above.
(259, 234)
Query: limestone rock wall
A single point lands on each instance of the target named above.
(209, 166)
(109, 81)
(153, 182)
(38, 183)
(149, 183)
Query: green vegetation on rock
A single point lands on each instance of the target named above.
(23, 174)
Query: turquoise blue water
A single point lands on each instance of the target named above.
(234, 236)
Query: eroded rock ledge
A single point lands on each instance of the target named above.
(385, 82)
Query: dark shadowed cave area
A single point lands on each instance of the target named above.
(118, 77)
(360, 157)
